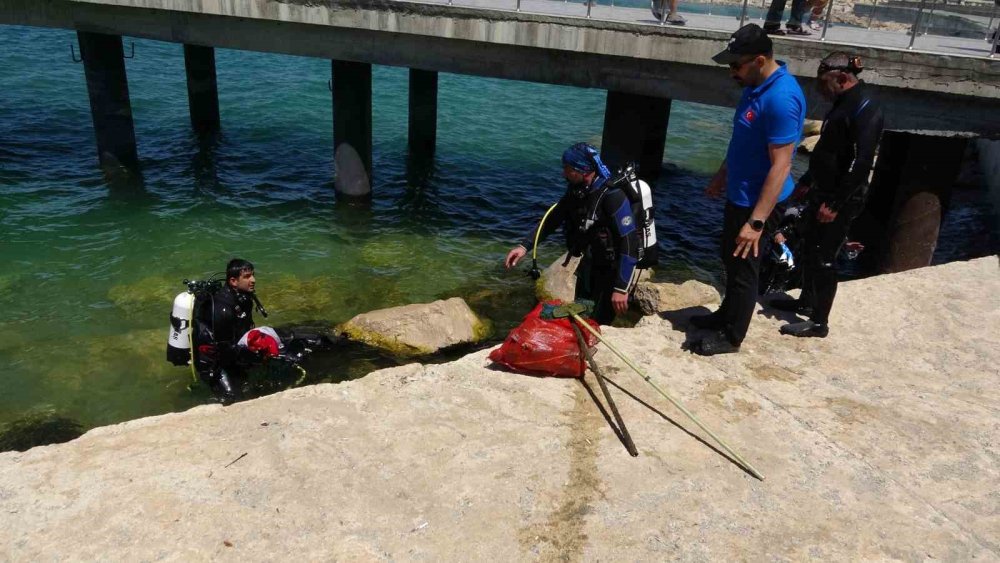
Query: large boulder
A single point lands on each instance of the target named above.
(811, 127)
(654, 298)
(418, 329)
(808, 144)
(558, 281)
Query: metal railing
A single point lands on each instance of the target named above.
(923, 27)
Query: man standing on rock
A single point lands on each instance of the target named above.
(598, 221)
(756, 177)
(837, 183)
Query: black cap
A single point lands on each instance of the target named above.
(747, 40)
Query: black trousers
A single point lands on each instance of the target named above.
(822, 245)
(597, 283)
(742, 274)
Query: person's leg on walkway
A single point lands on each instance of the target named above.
(830, 239)
(774, 13)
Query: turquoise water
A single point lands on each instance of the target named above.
(88, 271)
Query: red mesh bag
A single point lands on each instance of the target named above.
(544, 346)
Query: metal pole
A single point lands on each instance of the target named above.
(585, 351)
(916, 24)
(743, 14)
(762, 9)
(590, 4)
(872, 15)
(826, 22)
(710, 7)
(989, 26)
(930, 15)
(663, 12)
(996, 40)
(518, 8)
(673, 401)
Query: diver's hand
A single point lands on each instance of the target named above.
(747, 240)
(779, 238)
(514, 256)
(825, 215)
(619, 301)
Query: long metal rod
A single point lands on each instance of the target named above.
(989, 26)
(872, 15)
(762, 9)
(518, 8)
(743, 14)
(585, 350)
(826, 21)
(673, 401)
(916, 24)
(590, 4)
(710, 2)
(930, 17)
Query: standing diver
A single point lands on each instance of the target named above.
(837, 183)
(222, 320)
(599, 224)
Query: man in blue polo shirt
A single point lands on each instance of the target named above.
(756, 176)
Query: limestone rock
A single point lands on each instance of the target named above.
(418, 329)
(657, 297)
(812, 128)
(558, 282)
(808, 144)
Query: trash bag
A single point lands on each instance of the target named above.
(541, 346)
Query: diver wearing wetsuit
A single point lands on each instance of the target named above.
(838, 175)
(223, 320)
(598, 222)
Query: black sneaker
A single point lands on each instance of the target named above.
(806, 329)
(713, 321)
(796, 30)
(714, 344)
(773, 29)
(792, 306)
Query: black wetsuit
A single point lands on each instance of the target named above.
(838, 175)
(222, 321)
(598, 224)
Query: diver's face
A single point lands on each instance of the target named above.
(573, 176)
(245, 282)
(747, 71)
(829, 85)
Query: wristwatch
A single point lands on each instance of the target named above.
(756, 224)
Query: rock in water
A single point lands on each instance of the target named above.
(558, 282)
(418, 329)
(808, 144)
(653, 298)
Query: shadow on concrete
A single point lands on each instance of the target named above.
(604, 412)
(680, 320)
(679, 427)
(772, 313)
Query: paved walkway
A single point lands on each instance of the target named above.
(840, 34)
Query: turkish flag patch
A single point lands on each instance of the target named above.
(750, 115)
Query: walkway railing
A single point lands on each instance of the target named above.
(934, 26)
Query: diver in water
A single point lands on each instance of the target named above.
(222, 320)
(599, 223)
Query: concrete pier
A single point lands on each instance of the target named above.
(635, 129)
(352, 128)
(916, 173)
(423, 114)
(107, 86)
(203, 91)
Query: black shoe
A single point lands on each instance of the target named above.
(796, 30)
(806, 329)
(713, 344)
(792, 306)
(713, 321)
(773, 29)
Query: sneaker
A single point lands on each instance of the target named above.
(806, 329)
(712, 321)
(715, 344)
(796, 30)
(676, 19)
(792, 306)
(815, 26)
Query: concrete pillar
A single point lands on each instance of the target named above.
(203, 90)
(635, 129)
(917, 173)
(352, 129)
(107, 86)
(423, 113)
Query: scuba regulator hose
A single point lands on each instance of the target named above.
(534, 272)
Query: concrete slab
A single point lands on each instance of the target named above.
(878, 442)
